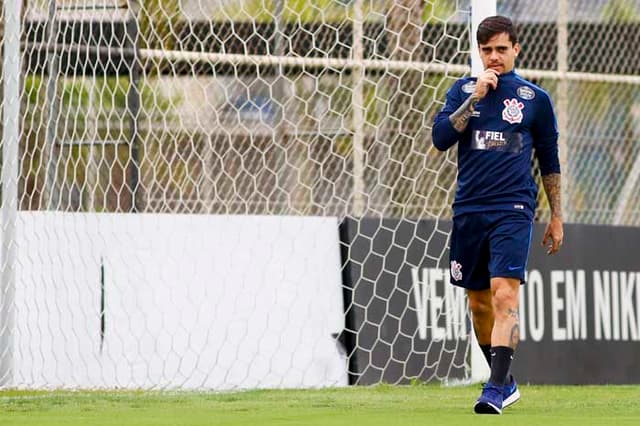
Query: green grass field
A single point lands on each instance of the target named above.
(371, 406)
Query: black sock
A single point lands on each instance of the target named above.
(486, 351)
(501, 357)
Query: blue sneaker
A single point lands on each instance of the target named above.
(510, 393)
(490, 402)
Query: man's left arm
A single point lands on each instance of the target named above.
(554, 233)
(546, 144)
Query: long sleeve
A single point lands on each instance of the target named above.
(545, 138)
(443, 135)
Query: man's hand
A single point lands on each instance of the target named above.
(488, 79)
(553, 235)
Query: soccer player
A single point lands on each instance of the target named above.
(498, 119)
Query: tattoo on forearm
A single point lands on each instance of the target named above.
(460, 118)
(552, 188)
(514, 313)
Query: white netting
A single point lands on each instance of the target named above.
(150, 128)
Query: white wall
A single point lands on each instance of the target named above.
(218, 302)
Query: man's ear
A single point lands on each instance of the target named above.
(517, 48)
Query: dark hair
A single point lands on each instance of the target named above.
(493, 26)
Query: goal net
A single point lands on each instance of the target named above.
(243, 194)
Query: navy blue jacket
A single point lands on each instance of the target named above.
(495, 150)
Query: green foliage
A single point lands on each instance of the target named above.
(438, 10)
(158, 21)
(88, 109)
(323, 10)
(293, 11)
(417, 382)
(73, 95)
(621, 11)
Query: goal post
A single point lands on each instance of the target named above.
(11, 70)
(479, 10)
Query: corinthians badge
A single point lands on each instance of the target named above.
(512, 112)
(456, 270)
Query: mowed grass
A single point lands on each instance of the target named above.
(371, 406)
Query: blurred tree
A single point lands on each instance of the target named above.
(621, 11)
(158, 23)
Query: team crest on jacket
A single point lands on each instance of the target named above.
(456, 270)
(512, 112)
(526, 93)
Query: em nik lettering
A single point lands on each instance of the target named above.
(565, 305)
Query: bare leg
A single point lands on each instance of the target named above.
(504, 339)
(506, 301)
(482, 314)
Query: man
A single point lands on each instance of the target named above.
(498, 120)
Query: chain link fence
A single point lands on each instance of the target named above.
(168, 106)
(299, 108)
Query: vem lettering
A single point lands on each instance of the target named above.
(440, 307)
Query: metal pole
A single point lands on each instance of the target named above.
(91, 130)
(357, 100)
(562, 105)
(10, 164)
(51, 196)
(480, 9)
(281, 129)
(133, 109)
(633, 178)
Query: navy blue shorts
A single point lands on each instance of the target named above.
(488, 245)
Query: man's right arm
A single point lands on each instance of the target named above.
(448, 128)
(460, 119)
(454, 118)
(443, 134)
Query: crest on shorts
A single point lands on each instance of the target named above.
(456, 270)
(512, 112)
(526, 93)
